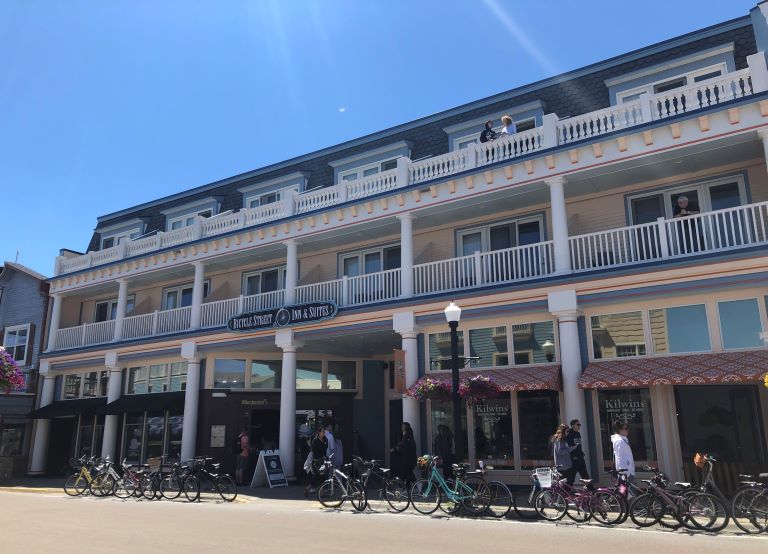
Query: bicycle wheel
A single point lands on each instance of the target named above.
(330, 494)
(550, 505)
(94, 487)
(477, 495)
(226, 487)
(425, 496)
(170, 487)
(125, 487)
(396, 494)
(149, 488)
(645, 510)
(501, 500)
(523, 502)
(191, 488)
(749, 510)
(707, 512)
(606, 507)
(447, 504)
(357, 496)
(75, 485)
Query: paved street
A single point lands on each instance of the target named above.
(82, 525)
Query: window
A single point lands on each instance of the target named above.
(137, 380)
(186, 220)
(534, 343)
(309, 375)
(618, 335)
(264, 280)
(72, 386)
(164, 377)
(155, 434)
(518, 232)
(740, 325)
(671, 83)
(440, 350)
(266, 374)
(12, 439)
(441, 416)
(229, 374)
(538, 414)
(370, 261)
(16, 341)
(175, 426)
(108, 241)
(133, 440)
(178, 376)
(106, 310)
(489, 345)
(256, 199)
(367, 170)
(681, 329)
(181, 296)
(632, 406)
(151, 435)
(341, 375)
(95, 384)
(85, 437)
(493, 432)
(158, 378)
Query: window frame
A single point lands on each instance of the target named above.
(360, 255)
(254, 198)
(689, 76)
(15, 329)
(117, 238)
(281, 270)
(485, 232)
(361, 169)
(168, 377)
(179, 289)
(185, 219)
(81, 387)
(130, 301)
(644, 318)
(720, 322)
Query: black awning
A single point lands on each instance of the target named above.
(161, 401)
(81, 406)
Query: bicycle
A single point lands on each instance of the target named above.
(501, 500)
(625, 488)
(468, 490)
(750, 504)
(391, 489)
(80, 482)
(130, 484)
(173, 483)
(340, 487)
(522, 499)
(105, 482)
(222, 483)
(706, 463)
(557, 498)
(151, 479)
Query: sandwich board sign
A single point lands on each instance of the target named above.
(269, 470)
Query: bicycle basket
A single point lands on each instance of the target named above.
(424, 462)
(154, 463)
(699, 459)
(544, 477)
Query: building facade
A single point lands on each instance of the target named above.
(23, 305)
(609, 257)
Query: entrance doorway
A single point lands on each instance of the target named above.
(265, 429)
(61, 444)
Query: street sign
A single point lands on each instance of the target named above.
(269, 470)
(283, 317)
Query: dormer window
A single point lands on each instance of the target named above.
(370, 162)
(179, 217)
(187, 220)
(368, 170)
(273, 190)
(665, 85)
(118, 233)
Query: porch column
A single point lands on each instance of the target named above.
(114, 389)
(122, 304)
(559, 224)
(291, 271)
(198, 287)
(563, 305)
(191, 396)
(763, 134)
(404, 323)
(285, 340)
(43, 426)
(406, 255)
(55, 321)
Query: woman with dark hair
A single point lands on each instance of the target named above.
(407, 450)
(561, 453)
(319, 447)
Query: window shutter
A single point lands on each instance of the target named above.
(30, 345)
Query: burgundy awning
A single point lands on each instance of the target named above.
(689, 369)
(525, 377)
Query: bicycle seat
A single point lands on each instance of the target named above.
(585, 481)
(646, 481)
(745, 476)
(216, 466)
(763, 476)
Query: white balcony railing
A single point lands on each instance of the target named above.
(551, 133)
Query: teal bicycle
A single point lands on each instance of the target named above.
(467, 490)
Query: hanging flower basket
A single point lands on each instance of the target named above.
(765, 380)
(10, 376)
(427, 388)
(478, 388)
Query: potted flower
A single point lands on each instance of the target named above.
(10, 376)
(478, 388)
(427, 388)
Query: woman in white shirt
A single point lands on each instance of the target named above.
(508, 126)
(622, 452)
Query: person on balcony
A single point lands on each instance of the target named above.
(488, 134)
(690, 238)
(509, 127)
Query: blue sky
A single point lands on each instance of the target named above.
(107, 104)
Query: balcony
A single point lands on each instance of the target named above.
(450, 274)
(711, 232)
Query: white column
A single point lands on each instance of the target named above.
(284, 339)
(559, 224)
(404, 323)
(563, 304)
(55, 321)
(406, 255)
(112, 421)
(191, 396)
(763, 134)
(197, 295)
(122, 304)
(291, 271)
(42, 429)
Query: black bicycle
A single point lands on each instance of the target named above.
(380, 485)
(202, 479)
(750, 504)
(172, 484)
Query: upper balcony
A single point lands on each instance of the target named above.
(554, 133)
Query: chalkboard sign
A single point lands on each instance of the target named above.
(283, 317)
(269, 470)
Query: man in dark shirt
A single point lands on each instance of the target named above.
(573, 438)
(488, 133)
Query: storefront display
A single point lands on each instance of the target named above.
(539, 415)
(631, 406)
(493, 432)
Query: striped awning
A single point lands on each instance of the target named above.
(518, 378)
(689, 369)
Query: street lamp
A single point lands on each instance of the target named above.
(452, 315)
(549, 350)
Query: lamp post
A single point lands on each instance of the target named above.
(452, 315)
(549, 350)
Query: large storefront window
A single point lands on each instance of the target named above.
(342, 375)
(493, 432)
(618, 335)
(266, 374)
(155, 434)
(534, 343)
(740, 324)
(539, 416)
(681, 329)
(12, 439)
(151, 435)
(309, 375)
(175, 425)
(489, 345)
(85, 436)
(229, 374)
(632, 406)
(133, 437)
(440, 350)
(441, 414)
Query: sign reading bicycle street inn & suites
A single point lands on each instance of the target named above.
(283, 317)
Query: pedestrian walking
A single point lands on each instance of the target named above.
(407, 450)
(330, 441)
(318, 448)
(578, 458)
(622, 451)
(561, 453)
(243, 458)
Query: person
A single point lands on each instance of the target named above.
(444, 449)
(578, 459)
(622, 452)
(561, 453)
(330, 441)
(241, 473)
(407, 450)
(318, 447)
(488, 134)
(508, 126)
(684, 208)
(689, 232)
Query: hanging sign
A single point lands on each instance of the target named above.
(269, 470)
(283, 317)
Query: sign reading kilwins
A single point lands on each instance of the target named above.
(283, 317)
